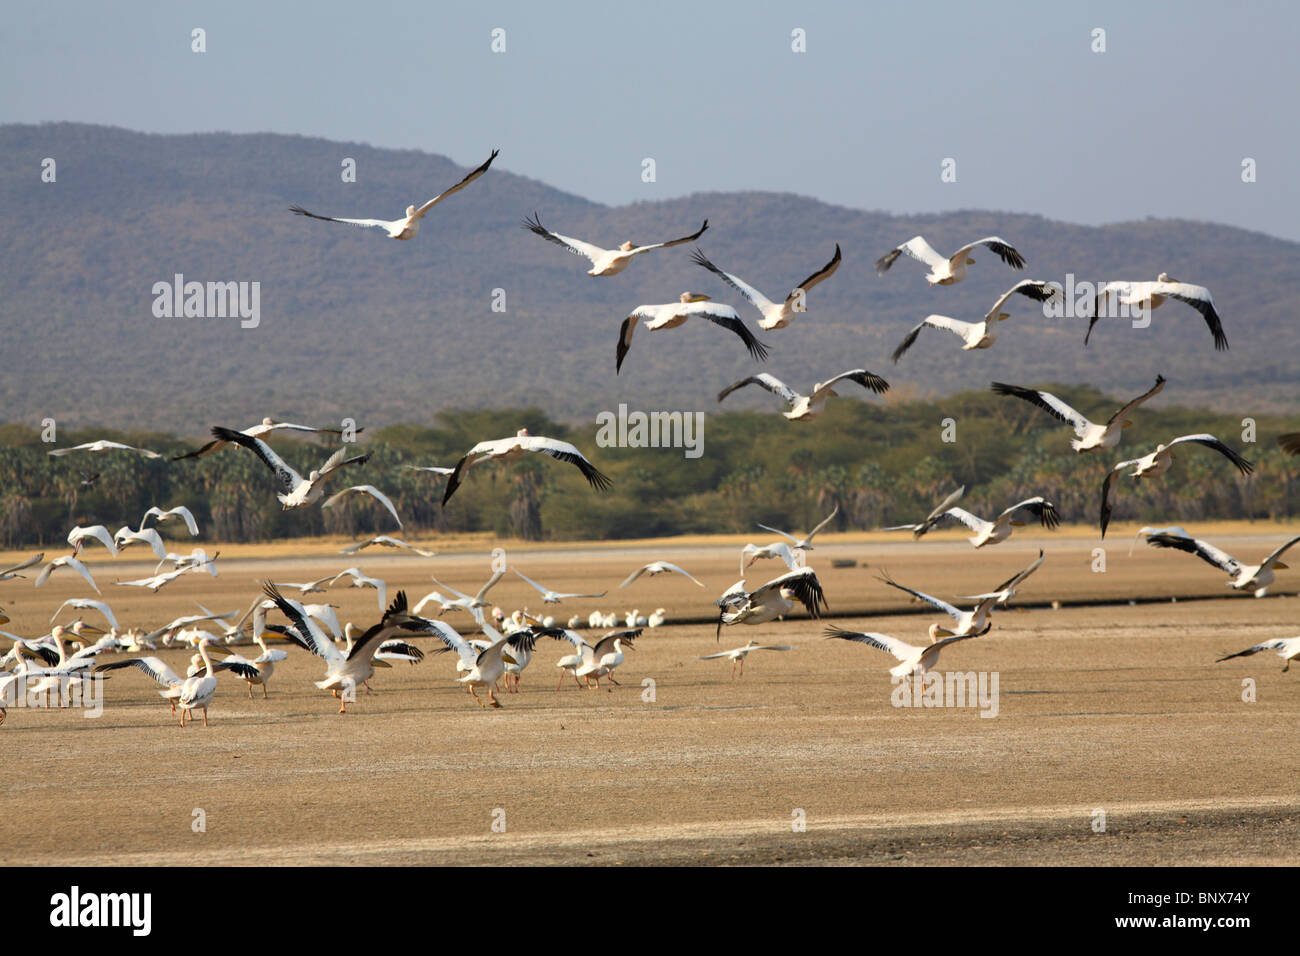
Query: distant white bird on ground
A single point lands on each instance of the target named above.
(103, 445)
(737, 655)
(776, 315)
(1242, 577)
(554, 597)
(912, 659)
(670, 315)
(409, 225)
(1089, 436)
(360, 580)
(805, 408)
(1158, 462)
(180, 511)
(950, 269)
(804, 543)
(932, 518)
(1288, 648)
(67, 561)
(385, 541)
(981, 334)
(774, 599)
(657, 567)
(11, 572)
(78, 536)
(256, 431)
(1000, 528)
(370, 490)
(1151, 295)
(604, 262)
(295, 491)
(657, 618)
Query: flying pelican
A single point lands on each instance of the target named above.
(88, 604)
(952, 269)
(409, 225)
(125, 537)
(672, 314)
(462, 601)
(158, 581)
(1288, 648)
(737, 655)
(774, 599)
(554, 597)
(197, 558)
(776, 315)
(11, 572)
(804, 544)
(1242, 577)
(933, 517)
(604, 262)
(370, 490)
(1289, 443)
(385, 541)
(804, 408)
(360, 580)
(1150, 295)
(657, 567)
(981, 334)
(912, 659)
(1158, 462)
(777, 549)
(103, 445)
(267, 426)
(1005, 591)
(296, 492)
(180, 511)
(67, 561)
(603, 658)
(1089, 436)
(967, 622)
(309, 587)
(1000, 528)
(512, 449)
(78, 535)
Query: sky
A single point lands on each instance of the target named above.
(1034, 119)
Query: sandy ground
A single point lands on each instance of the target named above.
(1116, 708)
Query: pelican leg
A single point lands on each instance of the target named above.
(250, 690)
(343, 704)
(561, 683)
(3, 713)
(205, 716)
(263, 690)
(492, 696)
(474, 695)
(742, 667)
(612, 681)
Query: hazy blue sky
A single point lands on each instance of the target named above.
(1157, 125)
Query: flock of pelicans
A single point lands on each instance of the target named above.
(507, 643)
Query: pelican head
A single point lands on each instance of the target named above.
(1164, 277)
(313, 475)
(696, 297)
(268, 422)
(410, 211)
(522, 433)
(626, 247)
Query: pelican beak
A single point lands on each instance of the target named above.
(1003, 315)
(699, 297)
(1279, 565)
(970, 262)
(1125, 424)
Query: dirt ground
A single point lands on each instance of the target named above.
(1114, 714)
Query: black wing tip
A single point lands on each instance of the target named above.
(887, 260)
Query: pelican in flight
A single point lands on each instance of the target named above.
(1289, 443)
(1151, 295)
(804, 408)
(296, 491)
(360, 580)
(933, 517)
(79, 535)
(156, 668)
(604, 262)
(967, 623)
(952, 269)
(67, 561)
(672, 314)
(385, 541)
(462, 601)
(1000, 528)
(774, 599)
(88, 604)
(805, 543)
(1288, 648)
(180, 511)
(912, 659)
(777, 549)
(657, 567)
(158, 581)
(267, 426)
(11, 572)
(981, 334)
(555, 597)
(776, 315)
(1088, 436)
(480, 666)
(103, 445)
(125, 537)
(409, 225)
(1242, 577)
(737, 655)
(512, 449)
(1005, 591)
(370, 490)
(1158, 462)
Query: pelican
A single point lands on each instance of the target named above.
(87, 604)
(1151, 295)
(1241, 577)
(512, 449)
(672, 314)
(968, 623)
(484, 665)
(180, 511)
(435, 469)
(198, 691)
(912, 659)
(296, 492)
(156, 668)
(409, 225)
(604, 262)
(952, 269)
(656, 619)
(1289, 443)
(981, 334)
(11, 572)
(804, 408)
(777, 549)
(1000, 528)
(1288, 648)
(309, 587)
(360, 580)
(462, 601)
(125, 537)
(554, 597)
(79, 535)
(603, 658)
(1005, 591)
(260, 668)
(158, 581)
(776, 315)
(370, 490)
(266, 426)
(933, 517)
(1158, 462)
(67, 561)
(385, 541)
(1088, 436)
(197, 558)
(168, 632)
(804, 544)
(103, 445)
(657, 567)
(737, 655)
(774, 599)
(569, 663)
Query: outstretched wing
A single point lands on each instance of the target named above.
(575, 246)
(285, 476)
(956, 326)
(901, 650)
(367, 223)
(1198, 297)
(726, 317)
(1160, 384)
(1030, 288)
(563, 451)
(763, 380)
(671, 242)
(868, 380)
(1048, 403)
(918, 249)
(825, 272)
(1033, 509)
(1000, 247)
(472, 175)
(1209, 441)
(803, 584)
(934, 602)
(370, 490)
(1172, 538)
(756, 298)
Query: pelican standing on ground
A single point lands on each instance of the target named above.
(604, 262)
(804, 408)
(952, 269)
(672, 314)
(1088, 436)
(776, 315)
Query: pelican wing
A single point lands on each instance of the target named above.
(394, 618)
(955, 326)
(1289, 443)
(625, 336)
(23, 566)
(1268, 562)
(934, 517)
(306, 633)
(1033, 509)
(339, 460)
(451, 640)
(934, 602)
(1198, 297)
(1003, 249)
(1030, 288)
(1048, 403)
(756, 298)
(868, 380)
(98, 532)
(825, 521)
(901, 650)
(725, 316)
(918, 249)
(1209, 441)
(764, 380)
(153, 666)
(974, 522)
(803, 584)
(285, 476)
(671, 242)
(1280, 644)
(563, 451)
(469, 178)
(370, 490)
(1171, 538)
(576, 246)
(1160, 384)
(825, 272)
(1105, 491)
(366, 223)
(100, 606)
(180, 511)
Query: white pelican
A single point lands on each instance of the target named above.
(1005, 591)
(512, 449)
(409, 225)
(981, 334)
(180, 511)
(156, 668)
(1242, 577)
(777, 549)
(198, 691)
(168, 632)
(1158, 462)
(951, 269)
(774, 599)
(1289, 443)
(309, 587)
(385, 541)
(669, 315)
(103, 445)
(196, 559)
(1000, 528)
(462, 601)
(260, 668)
(159, 581)
(67, 561)
(1150, 295)
(920, 529)
(912, 659)
(125, 537)
(737, 655)
(554, 597)
(603, 658)
(434, 469)
(805, 543)
(1089, 436)
(266, 426)
(657, 567)
(360, 580)
(969, 622)
(569, 663)
(78, 536)
(370, 490)
(776, 315)
(483, 665)
(804, 408)
(1288, 648)
(657, 618)
(88, 604)
(296, 492)
(604, 262)
(11, 572)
